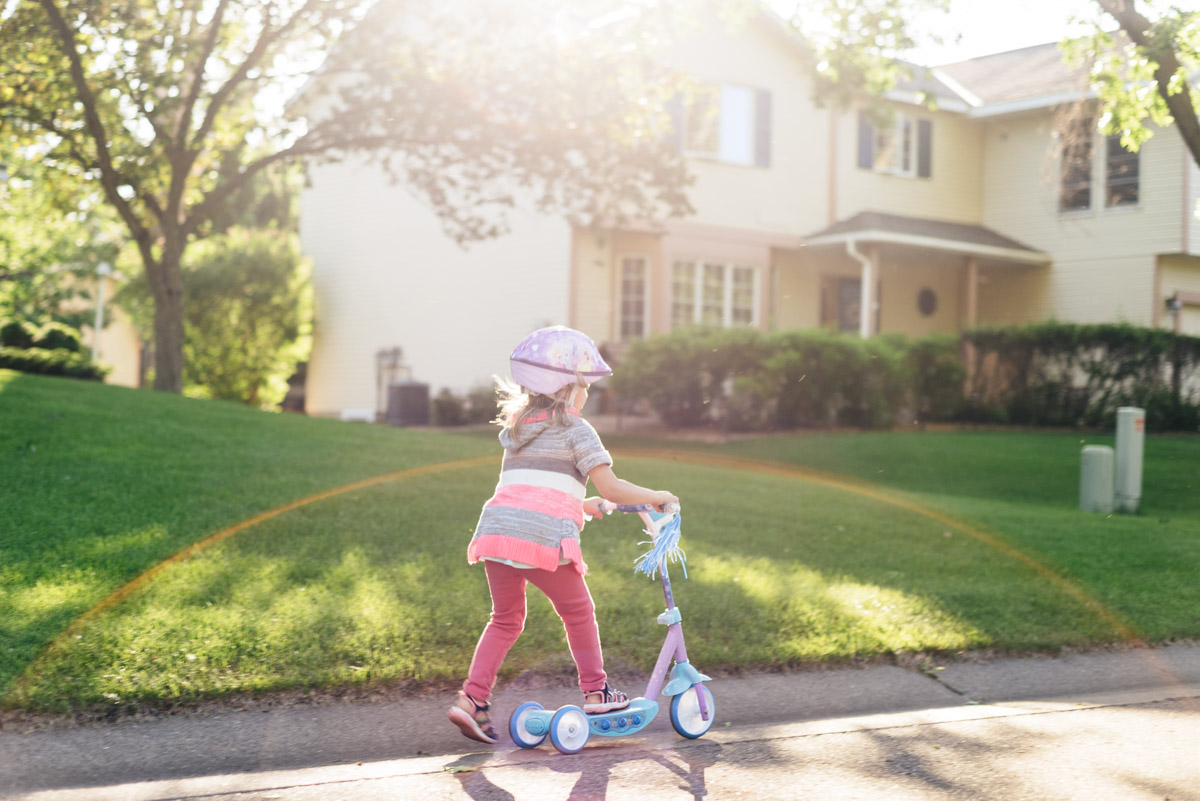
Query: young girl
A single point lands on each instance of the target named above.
(529, 529)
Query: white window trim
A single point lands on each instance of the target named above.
(646, 299)
(718, 156)
(698, 264)
(898, 136)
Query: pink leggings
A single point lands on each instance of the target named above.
(569, 594)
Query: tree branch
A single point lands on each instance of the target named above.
(267, 38)
(1179, 101)
(109, 176)
(203, 211)
(210, 43)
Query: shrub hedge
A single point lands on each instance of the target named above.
(1067, 374)
(1046, 374)
(59, 361)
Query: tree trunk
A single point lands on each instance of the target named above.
(168, 322)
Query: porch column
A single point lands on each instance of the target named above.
(970, 317)
(971, 295)
(866, 300)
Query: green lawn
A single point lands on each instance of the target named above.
(372, 584)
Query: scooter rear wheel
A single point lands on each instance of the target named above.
(569, 729)
(516, 726)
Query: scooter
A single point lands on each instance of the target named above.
(692, 706)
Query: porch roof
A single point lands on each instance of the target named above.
(895, 229)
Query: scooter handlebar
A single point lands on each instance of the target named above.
(608, 507)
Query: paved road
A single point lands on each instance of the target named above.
(1122, 725)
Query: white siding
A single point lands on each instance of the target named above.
(789, 196)
(385, 275)
(953, 191)
(1103, 258)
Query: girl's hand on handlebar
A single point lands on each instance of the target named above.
(596, 507)
(662, 498)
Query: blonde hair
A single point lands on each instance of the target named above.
(517, 404)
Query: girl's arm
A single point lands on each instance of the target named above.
(626, 493)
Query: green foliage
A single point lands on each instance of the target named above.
(449, 409)
(859, 48)
(169, 113)
(248, 318)
(53, 336)
(52, 238)
(17, 334)
(1070, 374)
(51, 362)
(1043, 374)
(446, 409)
(742, 379)
(937, 370)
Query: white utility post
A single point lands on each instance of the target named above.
(1131, 440)
(104, 271)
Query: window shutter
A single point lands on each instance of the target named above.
(924, 149)
(674, 108)
(762, 129)
(866, 142)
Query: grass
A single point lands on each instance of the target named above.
(371, 585)
(101, 483)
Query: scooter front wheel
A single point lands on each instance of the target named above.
(516, 726)
(569, 729)
(685, 712)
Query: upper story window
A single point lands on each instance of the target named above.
(713, 293)
(726, 123)
(904, 147)
(1075, 171)
(1121, 174)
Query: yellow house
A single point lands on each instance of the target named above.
(975, 213)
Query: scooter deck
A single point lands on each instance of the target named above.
(632, 718)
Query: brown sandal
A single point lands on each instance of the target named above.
(474, 723)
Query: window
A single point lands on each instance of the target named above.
(1121, 175)
(713, 293)
(633, 298)
(905, 147)
(1075, 188)
(731, 124)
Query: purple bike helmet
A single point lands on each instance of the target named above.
(549, 359)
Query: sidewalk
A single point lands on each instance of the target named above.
(246, 751)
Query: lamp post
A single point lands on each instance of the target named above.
(104, 270)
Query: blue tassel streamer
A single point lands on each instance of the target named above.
(664, 547)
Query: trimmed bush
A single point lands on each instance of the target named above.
(1046, 374)
(688, 376)
(1065, 374)
(57, 336)
(17, 334)
(51, 362)
(936, 367)
(446, 409)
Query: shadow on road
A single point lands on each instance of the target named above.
(596, 768)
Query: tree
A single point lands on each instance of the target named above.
(49, 247)
(247, 322)
(171, 107)
(859, 47)
(1141, 71)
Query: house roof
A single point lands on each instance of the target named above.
(1031, 72)
(895, 229)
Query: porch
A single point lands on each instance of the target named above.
(884, 273)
